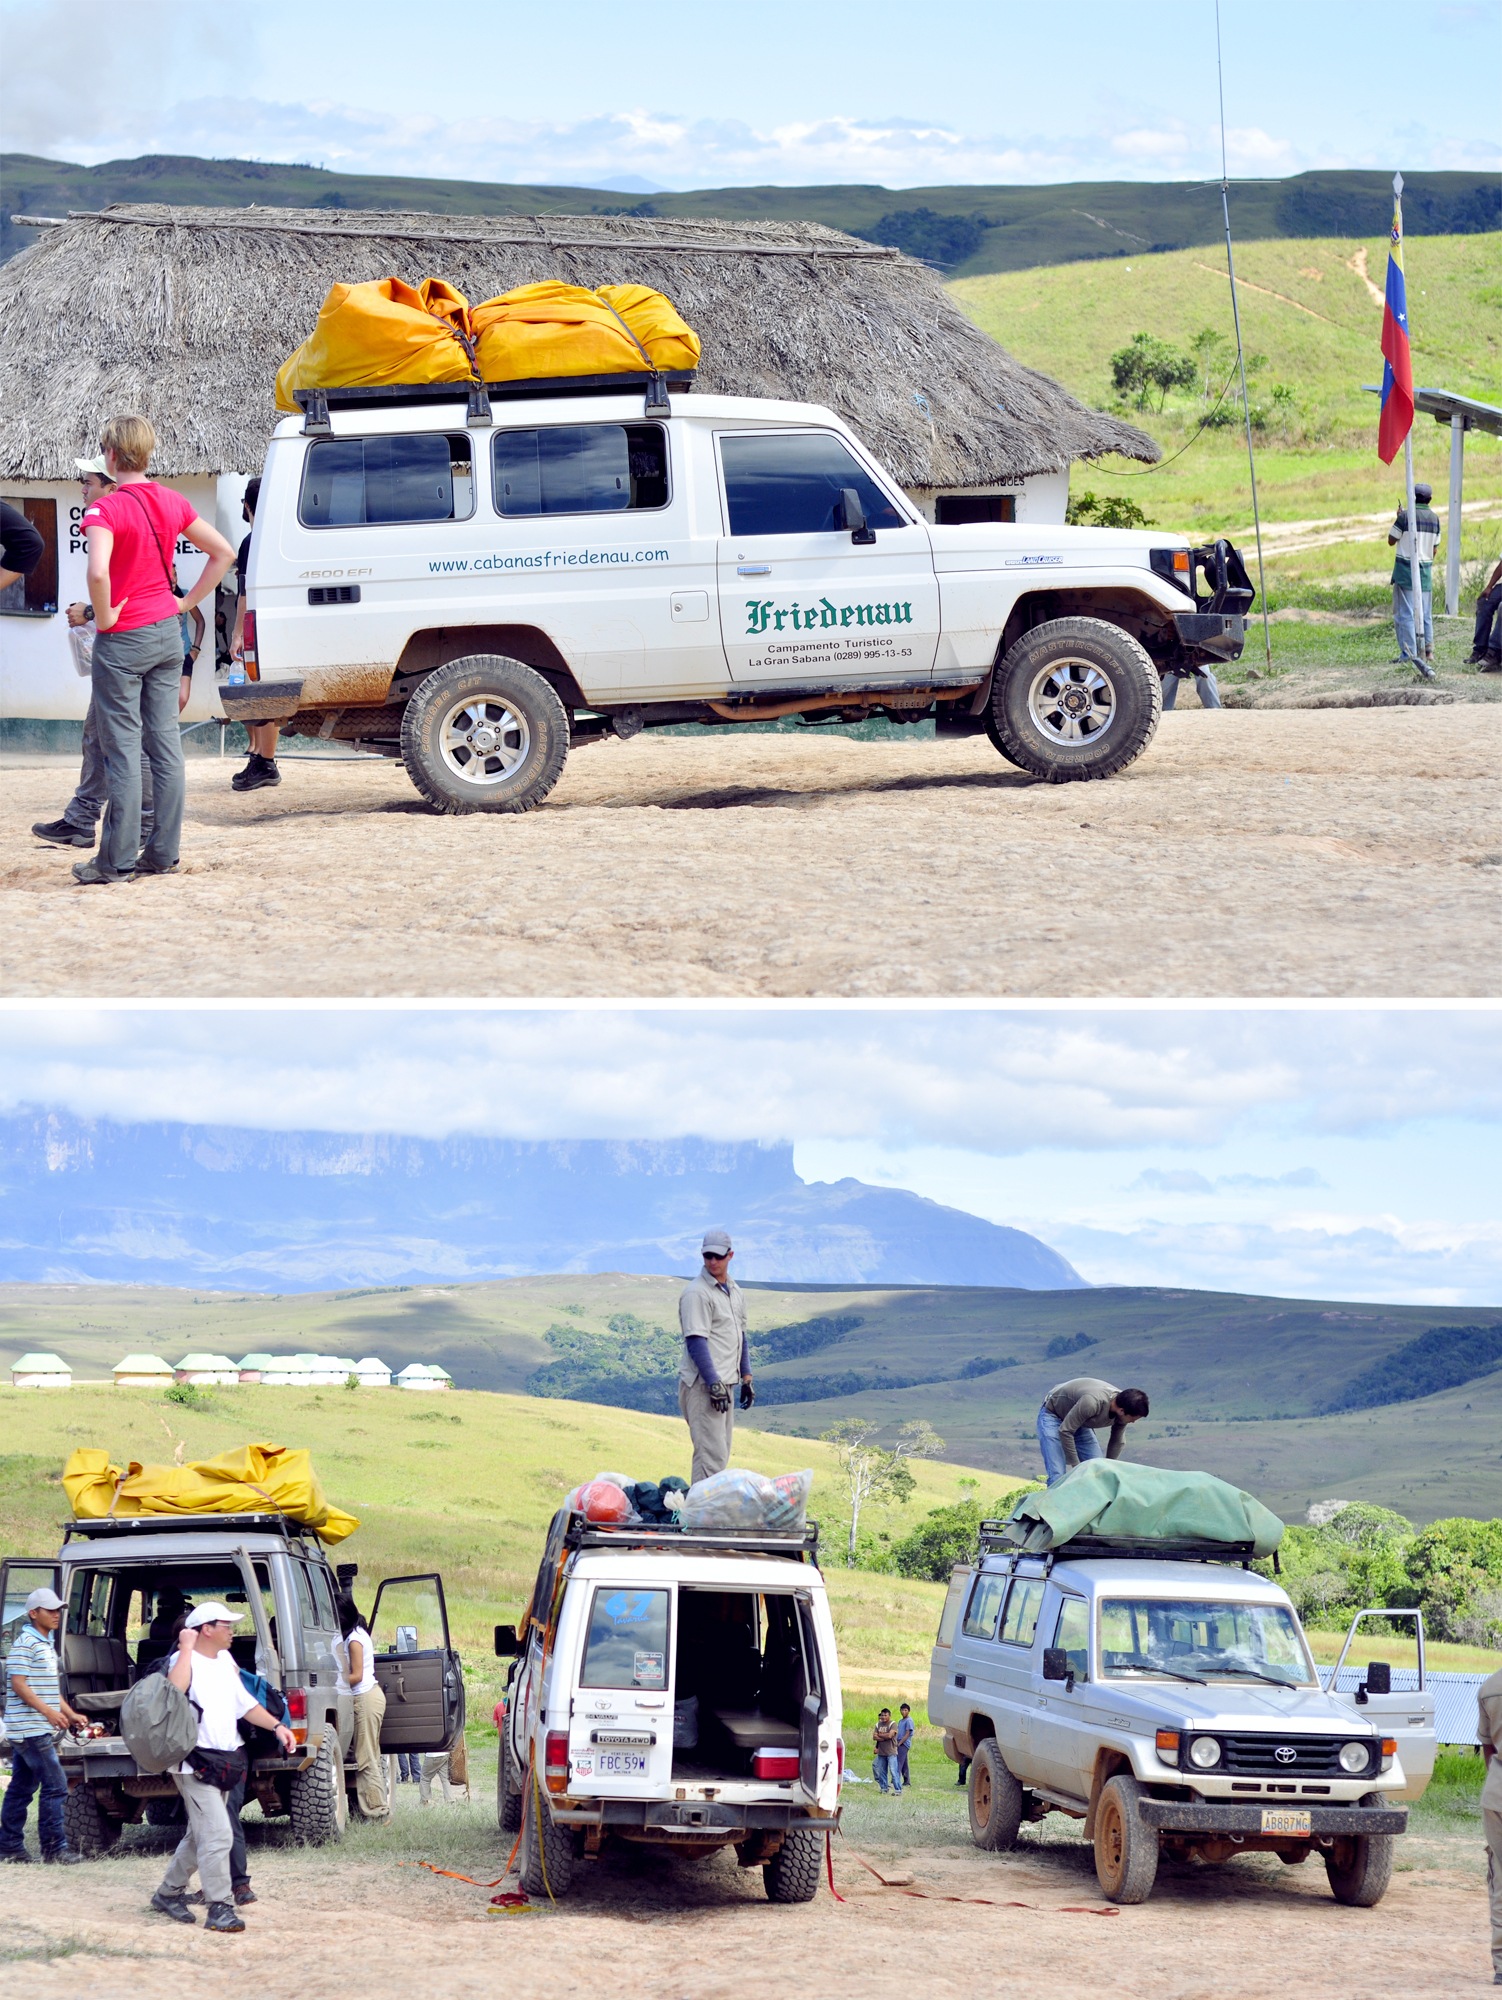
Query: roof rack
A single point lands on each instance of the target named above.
(1132, 1548)
(582, 1534)
(177, 1524)
(316, 404)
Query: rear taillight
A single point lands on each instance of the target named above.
(774, 1764)
(248, 646)
(297, 1711)
(555, 1760)
(839, 1759)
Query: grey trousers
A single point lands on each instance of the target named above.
(207, 1842)
(135, 711)
(1492, 1822)
(711, 1433)
(88, 802)
(1205, 686)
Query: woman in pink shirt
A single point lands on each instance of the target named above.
(131, 534)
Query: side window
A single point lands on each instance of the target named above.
(323, 1597)
(1073, 1634)
(35, 596)
(627, 1642)
(949, 1617)
(307, 1617)
(1020, 1620)
(985, 1602)
(789, 482)
(380, 481)
(580, 469)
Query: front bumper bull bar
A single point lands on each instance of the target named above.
(1325, 1822)
(1216, 635)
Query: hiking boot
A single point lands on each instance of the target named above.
(63, 1857)
(1420, 666)
(172, 1903)
(17, 1858)
(151, 868)
(1492, 663)
(259, 772)
(61, 834)
(87, 873)
(244, 1893)
(222, 1917)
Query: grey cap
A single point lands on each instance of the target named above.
(1422, 494)
(716, 1240)
(44, 1600)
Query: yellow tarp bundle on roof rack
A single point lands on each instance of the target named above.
(256, 1479)
(387, 332)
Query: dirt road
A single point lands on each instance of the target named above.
(328, 1926)
(1343, 853)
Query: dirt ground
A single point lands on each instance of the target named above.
(1304, 853)
(331, 1925)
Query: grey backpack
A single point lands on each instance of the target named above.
(158, 1724)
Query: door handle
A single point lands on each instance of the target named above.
(753, 569)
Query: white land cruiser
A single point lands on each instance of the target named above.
(673, 1689)
(1173, 1706)
(475, 582)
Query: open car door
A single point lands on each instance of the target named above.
(1401, 1701)
(417, 1668)
(19, 1577)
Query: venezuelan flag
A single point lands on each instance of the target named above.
(1396, 420)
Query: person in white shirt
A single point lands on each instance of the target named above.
(204, 1669)
(357, 1677)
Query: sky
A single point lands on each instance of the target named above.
(591, 93)
(1334, 1153)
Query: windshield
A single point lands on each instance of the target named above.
(1189, 1639)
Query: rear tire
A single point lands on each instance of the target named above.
(484, 734)
(792, 1874)
(87, 1827)
(318, 1801)
(508, 1791)
(1126, 1851)
(166, 1812)
(995, 1798)
(1076, 698)
(548, 1859)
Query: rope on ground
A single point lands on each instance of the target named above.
(937, 1896)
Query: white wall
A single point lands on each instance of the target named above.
(37, 676)
(1041, 499)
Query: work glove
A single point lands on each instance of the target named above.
(748, 1395)
(719, 1396)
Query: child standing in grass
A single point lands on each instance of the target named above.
(906, 1731)
(884, 1737)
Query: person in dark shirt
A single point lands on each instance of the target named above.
(260, 768)
(21, 547)
(1486, 644)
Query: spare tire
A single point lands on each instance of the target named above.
(1075, 698)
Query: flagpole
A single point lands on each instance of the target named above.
(1415, 593)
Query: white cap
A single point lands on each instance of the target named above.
(44, 1600)
(716, 1240)
(211, 1613)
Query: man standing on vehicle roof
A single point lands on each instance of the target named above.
(1489, 1704)
(712, 1314)
(1071, 1415)
(34, 1711)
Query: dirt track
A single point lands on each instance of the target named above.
(327, 1928)
(1303, 853)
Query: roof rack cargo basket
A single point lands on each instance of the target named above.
(191, 1524)
(799, 1547)
(395, 395)
(1135, 1548)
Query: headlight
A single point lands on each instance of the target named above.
(1355, 1757)
(1204, 1753)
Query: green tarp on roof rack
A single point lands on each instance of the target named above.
(1141, 1503)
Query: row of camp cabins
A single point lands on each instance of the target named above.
(218, 1371)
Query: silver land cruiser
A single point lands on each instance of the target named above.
(677, 1690)
(1173, 1706)
(477, 581)
(122, 1581)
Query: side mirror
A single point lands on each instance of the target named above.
(507, 1645)
(1379, 1677)
(852, 515)
(1056, 1665)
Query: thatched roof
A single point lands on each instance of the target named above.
(185, 314)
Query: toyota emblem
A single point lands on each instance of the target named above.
(1285, 1753)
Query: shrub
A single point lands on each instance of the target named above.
(1087, 510)
(1146, 364)
(1063, 1343)
(948, 1535)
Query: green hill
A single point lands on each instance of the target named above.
(1238, 1382)
(966, 229)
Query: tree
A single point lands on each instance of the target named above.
(1455, 1566)
(1085, 510)
(1147, 363)
(949, 1535)
(1212, 352)
(874, 1472)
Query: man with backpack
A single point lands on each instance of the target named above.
(205, 1671)
(138, 654)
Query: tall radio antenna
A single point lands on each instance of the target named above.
(1246, 408)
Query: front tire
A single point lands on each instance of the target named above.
(1075, 698)
(792, 1874)
(995, 1798)
(1360, 1866)
(485, 734)
(87, 1827)
(1126, 1851)
(548, 1857)
(318, 1802)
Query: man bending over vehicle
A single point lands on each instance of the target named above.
(1071, 1415)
